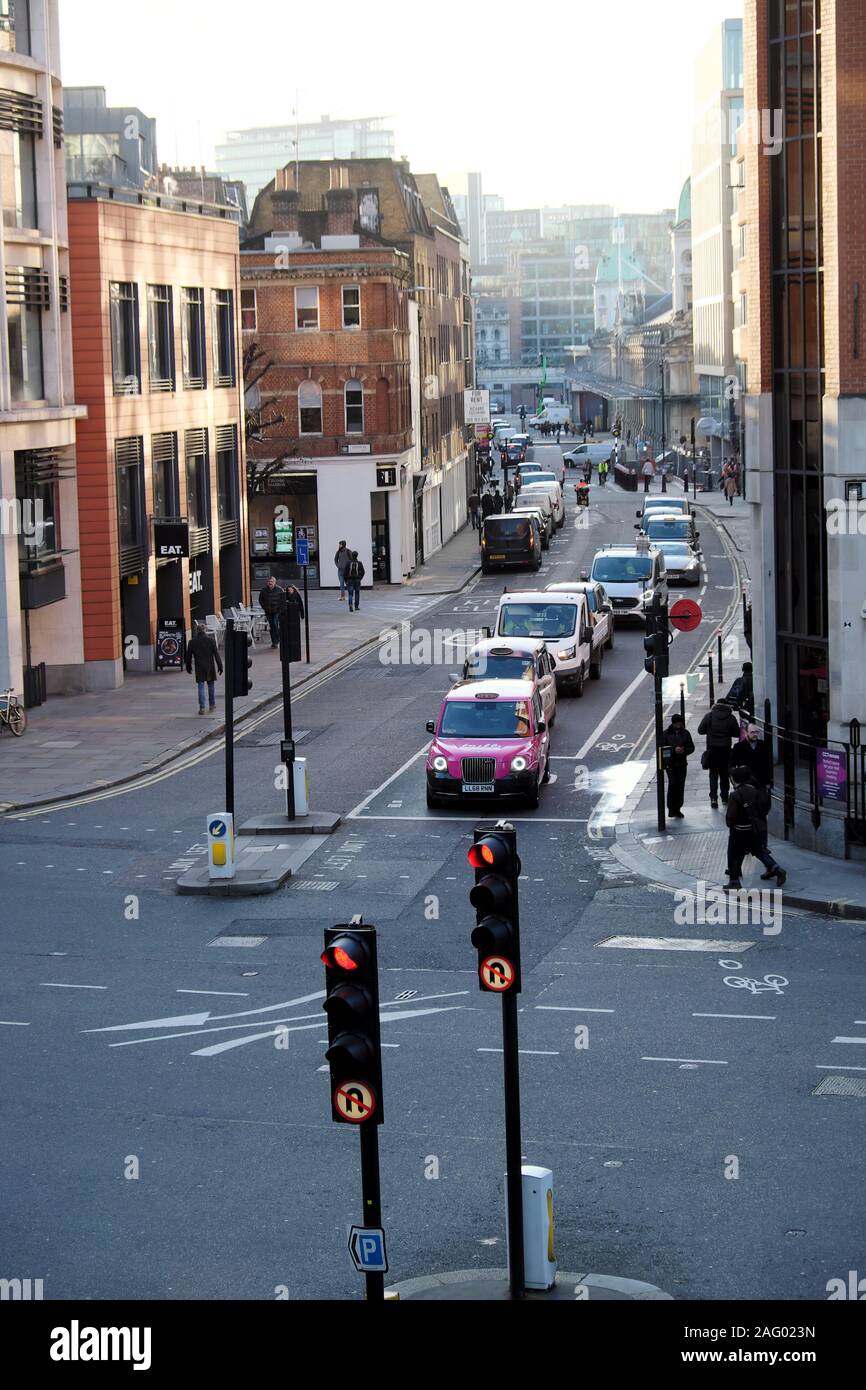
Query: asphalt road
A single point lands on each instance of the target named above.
(162, 1141)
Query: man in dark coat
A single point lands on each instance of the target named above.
(273, 602)
(753, 753)
(203, 651)
(486, 505)
(354, 575)
(681, 744)
(742, 693)
(746, 819)
(721, 728)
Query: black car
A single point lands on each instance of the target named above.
(510, 542)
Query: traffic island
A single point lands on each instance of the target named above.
(314, 823)
(261, 866)
(491, 1286)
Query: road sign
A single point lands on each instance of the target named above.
(354, 1101)
(302, 546)
(497, 974)
(367, 1248)
(686, 615)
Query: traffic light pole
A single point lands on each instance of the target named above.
(372, 1199)
(513, 1147)
(228, 682)
(660, 733)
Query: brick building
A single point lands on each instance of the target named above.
(804, 263)
(156, 341)
(356, 206)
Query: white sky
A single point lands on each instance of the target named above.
(588, 101)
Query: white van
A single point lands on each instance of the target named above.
(562, 621)
(577, 457)
(632, 575)
(551, 490)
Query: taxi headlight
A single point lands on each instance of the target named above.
(440, 764)
(518, 764)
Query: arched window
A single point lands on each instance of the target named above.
(354, 398)
(310, 407)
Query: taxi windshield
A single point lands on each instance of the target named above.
(490, 719)
(621, 569)
(513, 667)
(538, 620)
(668, 528)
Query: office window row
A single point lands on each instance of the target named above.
(310, 408)
(126, 345)
(307, 309)
(165, 475)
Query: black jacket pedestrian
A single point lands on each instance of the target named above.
(203, 651)
(497, 502)
(355, 573)
(747, 808)
(742, 693)
(293, 597)
(486, 505)
(756, 757)
(272, 600)
(678, 736)
(720, 726)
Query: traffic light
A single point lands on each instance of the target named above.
(656, 643)
(352, 1005)
(496, 937)
(240, 661)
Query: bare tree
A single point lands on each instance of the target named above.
(260, 418)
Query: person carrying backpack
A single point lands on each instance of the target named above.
(746, 819)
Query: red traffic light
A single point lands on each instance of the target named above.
(346, 953)
(481, 856)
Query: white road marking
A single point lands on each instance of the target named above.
(194, 1019)
(691, 1061)
(524, 1051)
(425, 998)
(49, 984)
(571, 1009)
(545, 820)
(672, 943)
(377, 791)
(227, 993)
(849, 1040)
(836, 1066)
(8, 1023)
(232, 1043)
(770, 1018)
(611, 714)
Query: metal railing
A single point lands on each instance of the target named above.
(818, 776)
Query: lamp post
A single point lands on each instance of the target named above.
(662, 365)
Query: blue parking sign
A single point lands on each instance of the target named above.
(367, 1248)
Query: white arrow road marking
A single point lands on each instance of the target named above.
(195, 1020)
(294, 1027)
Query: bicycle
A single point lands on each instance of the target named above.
(12, 713)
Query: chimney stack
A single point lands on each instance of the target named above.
(340, 203)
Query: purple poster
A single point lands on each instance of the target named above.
(832, 772)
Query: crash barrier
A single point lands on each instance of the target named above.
(625, 477)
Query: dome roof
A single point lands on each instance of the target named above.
(684, 207)
(612, 267)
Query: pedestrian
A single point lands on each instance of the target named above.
(602, 472)
(509, 495)
(628, 439)
(486, 505)
(272, 600)
(753, 753)
(587, 471)
(648, 472)
(473, 511)
(742, 693)
(730, 486)
(721, 728)
(342, 560)
(679, 741)
(203, 651)
(558, 434)
(354, 575)
(685, 480)
(293, 597)
(584, 434)
(497, 499)
(746, 819)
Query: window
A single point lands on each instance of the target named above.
(224, 337)
(310, 407)
(164, 465)
(15, 15)
(25, 353)
(354, 407)
(193, 339)
(18, 178)
(130, 504)
(249, 314)
(38, 473)
(125, 349)
(227, 473)
(197, 483)
(160, 337)
(351, 306)
(306, 307)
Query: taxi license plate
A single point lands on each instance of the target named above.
(479, 788)
(496, 557)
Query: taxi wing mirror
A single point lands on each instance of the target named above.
(431, 726)
(541, 726)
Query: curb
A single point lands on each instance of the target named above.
(491, 1285)
(9, 808)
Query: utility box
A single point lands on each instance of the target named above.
(302, 791)
(221, 845)
(539, 1260)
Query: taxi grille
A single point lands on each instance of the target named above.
(478, 769)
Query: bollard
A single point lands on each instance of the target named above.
(682, 699)
(221, 845)
(719, 649)
(538, 1253)
(712, 686)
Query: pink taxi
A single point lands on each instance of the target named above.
(490, 741)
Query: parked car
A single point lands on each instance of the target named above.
(490, 741)
(530, 490)
(510, 542)
(681, 562)
(543, 513)
(560, 620)
(520, 658)
(600, 613)
(631, 575)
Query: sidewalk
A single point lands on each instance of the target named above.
(695, 849)
(83, 743)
